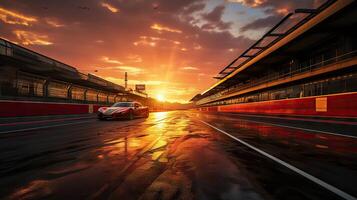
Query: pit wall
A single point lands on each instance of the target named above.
(337, 105)
(29, 108)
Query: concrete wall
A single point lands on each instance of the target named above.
(339, 105)
(28, 108)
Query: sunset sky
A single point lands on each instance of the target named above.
(175, 47)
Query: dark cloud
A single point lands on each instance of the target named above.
(275, 10)
(274, 5)
(215, 15)
(193, 8)
(214, 19)
(261, 23)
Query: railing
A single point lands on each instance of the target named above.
(26, 86)
(267, 79)
(13, 50)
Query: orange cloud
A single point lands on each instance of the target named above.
(252, 3)
(130, 69)
(144, 42)
(147, 41)
(134, 58)
(53, 23)
(160, 28)
(11, 17)
(189, 68)
(109, 7)
(197, 47)
(30, 38)
(282, 11)
(152, 41)
(109, 60)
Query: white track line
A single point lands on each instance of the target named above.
(298, 128)
(42, 127)
(323, 184)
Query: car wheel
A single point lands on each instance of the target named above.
(131, 115)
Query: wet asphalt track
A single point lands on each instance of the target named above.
(177, 155)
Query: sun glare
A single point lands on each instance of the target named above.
(160, 97)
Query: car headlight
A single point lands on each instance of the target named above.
(102, 110)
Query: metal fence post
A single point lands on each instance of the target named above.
(45, 87)
(69, 91)
(85, 95)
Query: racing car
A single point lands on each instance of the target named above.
(123, 110)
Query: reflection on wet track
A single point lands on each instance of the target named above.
(173, 155)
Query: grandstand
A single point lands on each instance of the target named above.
(29, 79)
(305, 65)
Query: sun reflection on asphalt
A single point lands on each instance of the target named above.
(159, 115)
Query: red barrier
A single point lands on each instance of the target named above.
(28, 108)
(339, 105)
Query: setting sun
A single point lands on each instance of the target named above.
(178, 99)
(160, 97)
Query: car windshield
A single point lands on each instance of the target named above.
(123, 104)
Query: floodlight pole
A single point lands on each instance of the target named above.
(126, 80)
